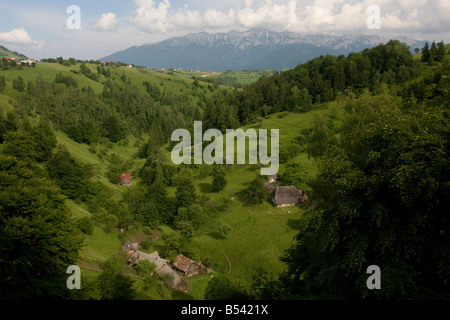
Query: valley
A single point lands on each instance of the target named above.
(353, 132)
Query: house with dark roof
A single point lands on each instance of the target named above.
(130, 247)
(286, 196)
(188, 267)
(125, 179)
(172, 278)
(154, 258)
(162, 266)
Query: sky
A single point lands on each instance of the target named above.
(93, 29)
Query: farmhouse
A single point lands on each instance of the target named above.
(130, 247)
(152, 257)
(286, 196)
(125, 179)
(187, 266)
(28, 61)
(173, 279)
(162, 266)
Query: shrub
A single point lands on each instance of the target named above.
(85, 225)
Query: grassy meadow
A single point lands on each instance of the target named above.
(259, 233)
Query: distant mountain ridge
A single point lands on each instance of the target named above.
(252, 49)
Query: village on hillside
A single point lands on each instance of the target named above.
(174, 278)
(174, 274)
(17, 62)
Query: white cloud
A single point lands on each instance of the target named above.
(218, 19)
(20, 36)
(316, 16)
(107, 22)
(151, 18)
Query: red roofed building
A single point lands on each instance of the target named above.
(125, 179)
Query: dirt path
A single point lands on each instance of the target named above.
(229, 261)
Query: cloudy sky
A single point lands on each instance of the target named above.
(47, 28)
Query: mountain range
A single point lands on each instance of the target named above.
(252, 49)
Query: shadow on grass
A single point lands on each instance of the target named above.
(206, 187)
(295, 224)
(177, 295)
(215, 235)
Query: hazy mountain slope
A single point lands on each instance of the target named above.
(253, 49)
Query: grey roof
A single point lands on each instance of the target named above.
(177, 282)
(286, 195)
(130, 246)
(152, 257)
(185, 264)
(125, 181)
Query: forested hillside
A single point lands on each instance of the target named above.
(386, 67)
(365, 136)
(381, 193)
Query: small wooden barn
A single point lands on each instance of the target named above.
(172, 278)
(125, 179)
(130, 247)
(152, 258)
(187, 266)
(286, 196)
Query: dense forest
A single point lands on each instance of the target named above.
(379, 197)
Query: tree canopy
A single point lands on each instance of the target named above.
(37, 239)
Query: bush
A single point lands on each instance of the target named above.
(19, 84)
(222, 288)
(147, 244)
(147, 230)
(112, 284)
(85, 225)
(209, 262)
(223, 231)
(145, 268)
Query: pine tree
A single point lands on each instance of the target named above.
(433, 50)
(19, 84)
(426, 53)
(219, 181)
(256, 192)
(185, 193)
(441, 52)
(2, 83)
(339, 78)
(114, 128)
